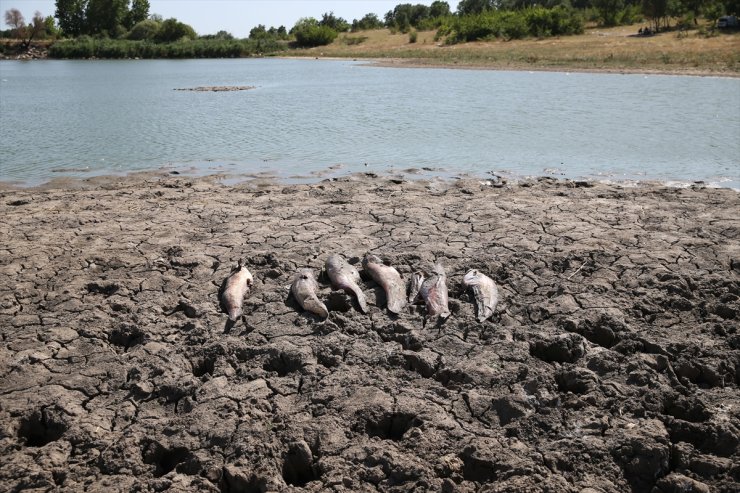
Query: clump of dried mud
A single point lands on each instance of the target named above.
(612, 363)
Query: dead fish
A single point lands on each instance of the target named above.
(304, 290)
(236, 287)
(434, 292)
(417, 278)
(344, 276)
(485, 292)
(389, 279)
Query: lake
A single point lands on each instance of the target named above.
(85, 118)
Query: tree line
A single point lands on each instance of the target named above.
(92, 24)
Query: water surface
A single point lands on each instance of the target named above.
(82, 118)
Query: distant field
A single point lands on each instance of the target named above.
(614, 49)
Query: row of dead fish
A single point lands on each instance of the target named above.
(429, 288)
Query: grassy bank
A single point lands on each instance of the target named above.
(614, 49)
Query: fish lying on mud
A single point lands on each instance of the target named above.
(434, 292)
(417, 278)
(236, 287)
(485, 292)
(304, 289)
(344, 276)
(389, 279)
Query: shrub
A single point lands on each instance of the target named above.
(631, 14)
(370, 21)
(146, 29)
(353, 40)
(413, 35)
(308, 33)
(533, 21)
(174, 30)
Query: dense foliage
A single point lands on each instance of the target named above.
(406, 16)
(369, 21)
(511, 24)
(261, 32)
(309, 32)
(174, 30)
(107, 18)
(88, 47)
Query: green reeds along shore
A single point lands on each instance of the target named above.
(87, 47)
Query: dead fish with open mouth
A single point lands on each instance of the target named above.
(485, 292)
(434, 292)
(389, 279)
(236, 287)
(304, 290)
(344, 276)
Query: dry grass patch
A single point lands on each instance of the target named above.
(615, 49)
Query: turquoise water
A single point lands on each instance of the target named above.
(84, 118)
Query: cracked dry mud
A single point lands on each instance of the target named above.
(611, 364)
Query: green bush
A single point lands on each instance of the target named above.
(174, 30)
(146, 29)
(86, 47)
(631, 14)
(413, 36)
(512, 24)
(352, 40)
(309, 33)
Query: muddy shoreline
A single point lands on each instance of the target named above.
(612, 362)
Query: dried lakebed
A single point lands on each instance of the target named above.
(611, 364)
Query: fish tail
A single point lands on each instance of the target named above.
(396, 302)
(360, 299)
(396, 306)
(313, 305)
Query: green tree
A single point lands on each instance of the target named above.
(608, 10)
(259, 32)
(106, 17)
(333, 22)
(174, 30)
(468, 7)
(144, 30)
(50, 27)
(369, 21)
(279, 33)
(439, 9)
(224, 35)
(138, 12)
(655, 11)
(71, 16)
(406, 15)
(308, 33)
